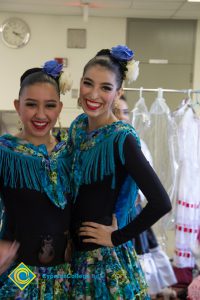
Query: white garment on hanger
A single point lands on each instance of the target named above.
(159, 137)
(188, 195)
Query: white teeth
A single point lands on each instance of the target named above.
(93, 104)
(39, 124)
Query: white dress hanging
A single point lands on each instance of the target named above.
(159, 137)
(188, 200)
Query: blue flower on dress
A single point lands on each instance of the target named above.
(122, 52)
(52, 68)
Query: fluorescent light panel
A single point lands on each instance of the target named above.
(193, 0)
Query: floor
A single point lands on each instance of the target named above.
(181, 295)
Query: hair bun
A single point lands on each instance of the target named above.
(103, 52)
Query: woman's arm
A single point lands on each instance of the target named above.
(148, 182)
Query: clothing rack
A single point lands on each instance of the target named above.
(141, 89)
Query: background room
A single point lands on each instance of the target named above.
(165, 35)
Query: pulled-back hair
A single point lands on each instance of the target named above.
(104, 59)
(122, 97)
(36, 75)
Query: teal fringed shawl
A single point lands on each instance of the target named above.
(23, 165)
(2, 218)
(94, 158)
(125, 209)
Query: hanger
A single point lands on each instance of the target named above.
(140, 92)
(196, 104)
(160, 93)
(141, 109)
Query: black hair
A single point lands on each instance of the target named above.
(104, 59)
(36, 75)
(122, 97)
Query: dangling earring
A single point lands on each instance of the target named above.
(59, 123)
(19, 125)
(79, 104)
(115, 105)
(59, 131)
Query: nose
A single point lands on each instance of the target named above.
(94, 93)
(40, 113)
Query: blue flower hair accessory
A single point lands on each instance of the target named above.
(53, 68)
(122, 52)
(56, 70)
(125, 56)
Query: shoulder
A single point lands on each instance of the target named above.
(6, 141)
(78, 120)
(125, 129)
(76, 127)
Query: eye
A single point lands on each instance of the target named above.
(30, 104)
(107, 88)
(51, 105)
(126, 111)
(86, 82)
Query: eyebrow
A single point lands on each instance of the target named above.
(103, 83)
(34, 100)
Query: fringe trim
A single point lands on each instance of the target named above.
(94, 163)
(125, 206)
(20, 171)
(23, 171)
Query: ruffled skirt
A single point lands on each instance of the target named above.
(50, 283)
(107, 273)
(158, 270)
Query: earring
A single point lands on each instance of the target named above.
(19, 125)
(115, 105)
(59, 123)
(79, 104)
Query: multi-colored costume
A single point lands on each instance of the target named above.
(33, 185)
(103, 160)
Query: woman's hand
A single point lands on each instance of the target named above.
(8, 251)
(98, 233)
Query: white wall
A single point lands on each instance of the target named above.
(49, 40)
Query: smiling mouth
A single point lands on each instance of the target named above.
(92, 105)
(39, 125)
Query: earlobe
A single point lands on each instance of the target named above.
(16, 105)
(61, 106)
(120, 92)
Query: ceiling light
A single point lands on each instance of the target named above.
(193, 0)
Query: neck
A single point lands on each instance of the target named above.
(47, 140)
(95, 123)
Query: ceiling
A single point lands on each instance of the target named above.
(168, 9)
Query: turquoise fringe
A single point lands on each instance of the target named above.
(2, 218)
(125, 207)
(91, 158)
(94, 159)
(27, 166)
(20, 171)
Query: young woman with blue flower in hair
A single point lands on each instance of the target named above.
(33, 187)
(106, 152)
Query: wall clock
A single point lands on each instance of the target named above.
(15, 32)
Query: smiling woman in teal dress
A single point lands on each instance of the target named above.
(106, 152)
(33, 185)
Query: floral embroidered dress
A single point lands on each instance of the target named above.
(33, 188)
(103, 163)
